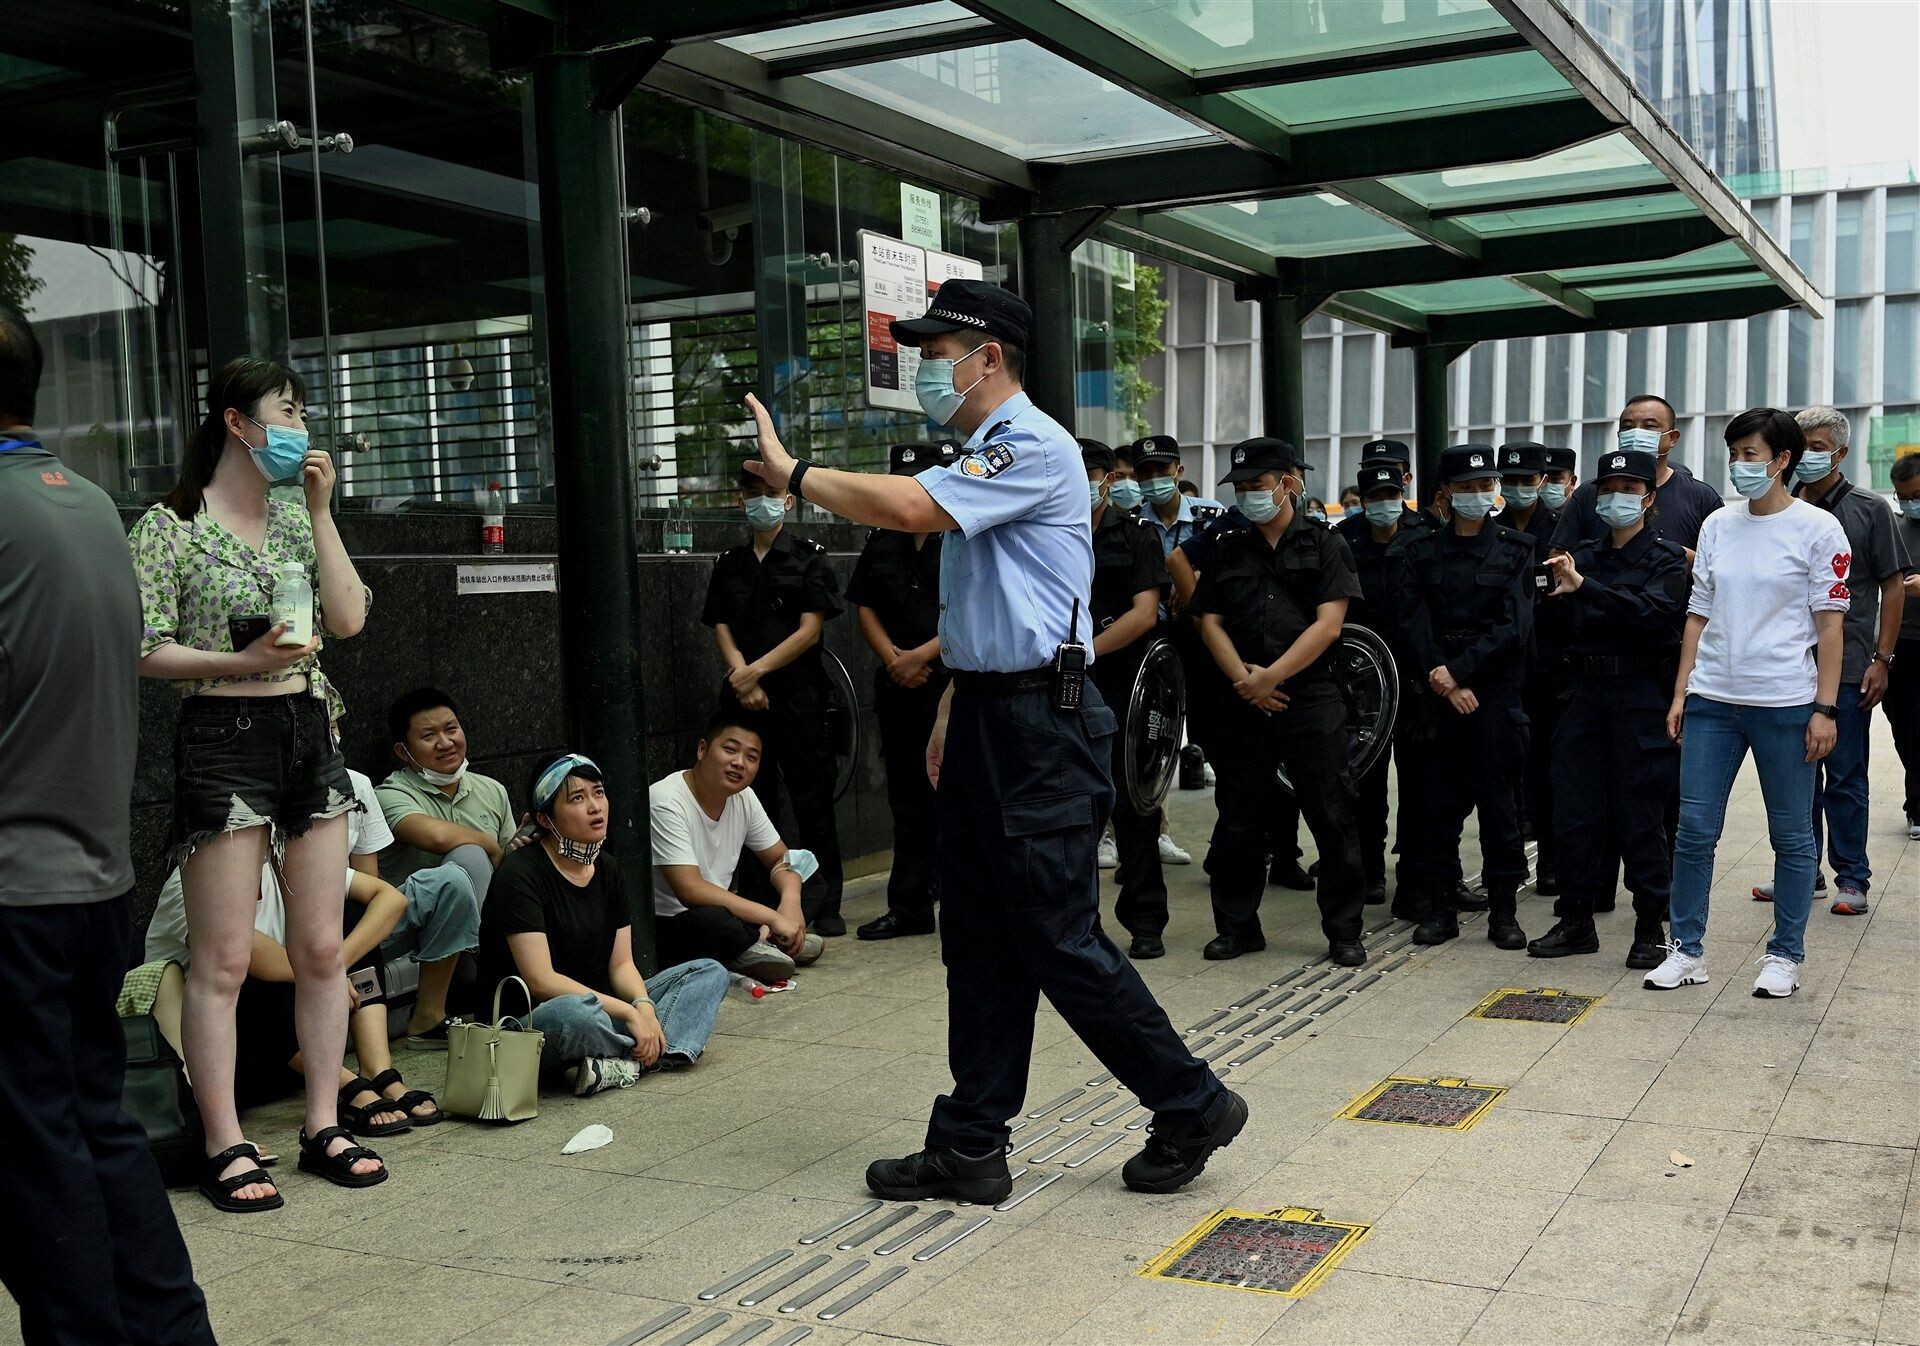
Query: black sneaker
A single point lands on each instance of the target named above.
(932, 1173)
(1649, 947)
(1567, 937)
(1176, 1152)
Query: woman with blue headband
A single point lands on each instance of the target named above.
(557, 917)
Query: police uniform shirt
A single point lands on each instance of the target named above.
(762, 601)
(1677, 511)
(901, 583)
(1374, 609)
(1465, 603)
(1267, 596)
(1192, 514)
(1024, 554)
(1631, 603)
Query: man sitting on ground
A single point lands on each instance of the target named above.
(700, 820)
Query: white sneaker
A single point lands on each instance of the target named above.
(1913, 829)
(1779, 978)
(597, 1074)
(1764, 893)
(1679, 969)
(1170, 852)
(764, 963)
(1206, 774)
(1109, 857)
(811, 947)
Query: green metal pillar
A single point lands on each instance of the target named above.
(1282, 397)
(1046, 282)
(583, 242)
(1431, 414)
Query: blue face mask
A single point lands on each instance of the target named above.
(1093, 494)
(1473, 504)
(1553, 495)
(1910, 508)
(283, 456)
(765, 512)
(1813, 466)
(1752, 480)
(1258, 506)
(1385, 513)
(933, 387)
(1640, 439)
(1160, 489)
(1522, 496)
(1619, 509)
(1125, 493)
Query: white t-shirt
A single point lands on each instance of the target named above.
(1758, 580)
(167, 934)
(683, 834)
(367, 830)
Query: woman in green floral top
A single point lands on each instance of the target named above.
(253, 753)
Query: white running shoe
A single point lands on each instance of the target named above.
(1764, 893)
(1679, 969)
(1779, 978)
(811, 947)
(764, 963)
(1171, 853)
(597, 1074)
(1109, 857)
(1913, 829)
(1206, 774)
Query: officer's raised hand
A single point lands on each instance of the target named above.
(1566, 575)
(775, 464)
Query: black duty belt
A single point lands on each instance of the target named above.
(1617, 666)
(1002, 684)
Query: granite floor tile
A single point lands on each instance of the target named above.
(1736, 1098)
(1829, 1180)
(1515, 1317)
(1459, 1234)
(1619, 1252)
(1864, 1111)
(1839, 1274)
(1365, 1308)
(1638, 1165)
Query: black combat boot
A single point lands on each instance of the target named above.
(1503, 931)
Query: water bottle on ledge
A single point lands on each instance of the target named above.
(493, 519)
(677, 532)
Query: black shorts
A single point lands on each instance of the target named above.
(251, 761)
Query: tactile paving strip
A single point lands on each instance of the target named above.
(1540, 1006)
(1283, 1252)
(1440, 1104)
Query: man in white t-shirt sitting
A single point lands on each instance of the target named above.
(701, 819)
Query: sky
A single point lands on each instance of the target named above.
(1848, 79)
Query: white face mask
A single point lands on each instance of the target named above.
(439, 777)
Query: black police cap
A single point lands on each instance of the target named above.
(1523, 456)
(1392, 449)
(969, 306)
(1251, 458)
(1560, 458)
(1097, 455)
(1640, 464)
(1155, 449)
(907, 460)
(1381, 472)
(1468, 462)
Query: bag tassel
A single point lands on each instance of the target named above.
(492, 1109)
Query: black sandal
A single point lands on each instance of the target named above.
(408, 1101)
(220, 1191)
(356, 1118)
(338, 1168)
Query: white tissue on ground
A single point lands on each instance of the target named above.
(588, 1138)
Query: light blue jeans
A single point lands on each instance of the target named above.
(686, 999)
(443, 909)
(1716, 740)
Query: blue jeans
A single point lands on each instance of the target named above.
(443, 910)
(1840, 795)
(1715, 743)
(686, 999)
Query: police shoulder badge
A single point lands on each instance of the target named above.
(988, 463)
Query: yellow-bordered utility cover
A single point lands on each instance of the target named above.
(1283, 1252)
(1542, 1005)
(1438, 1104)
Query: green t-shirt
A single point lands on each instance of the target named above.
(480, 802)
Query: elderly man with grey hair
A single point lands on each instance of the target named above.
(1875, 577)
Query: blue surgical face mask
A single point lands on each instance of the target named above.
(803, 863)
(1813, 466)
(1640, 438)
(1093, 493)
(1618, 509)
(933, 386)
(765, 512)
(1910, 508)
(1258, 506)
(1473, 504)
(284, 454)
(1752, 480)
(1385, 513)
(1522, 496)
(1160, 489)
(1125, 493)
(1553, 495)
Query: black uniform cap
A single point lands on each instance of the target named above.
(1559, 458)
(969, 306)
(1392, 449)
(1155, 449)
(1097, 455)
(1469, 462)
(1639, 464)
(1253, 457)
(1523, 456)
(908, 460)
(1381, 472)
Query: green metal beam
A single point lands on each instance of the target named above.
(1397, 208)
(1160, 250)
(1379, 312)
(1093, 46)
(1565, 297)
(1608, 315)
(888, 46)
(1046, 282)
(1238, 258)
(1282, 359)
(1398, 56)
(1432, 415)
(1543, 200)
(595, 24)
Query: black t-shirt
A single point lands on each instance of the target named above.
(1268, 595)
(901, 583)
(529, 896)
(762, 600)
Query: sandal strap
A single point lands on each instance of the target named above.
(391, 1075)
(319, 1142)
(246, 1178)
(246, 1149)
(413, 1098)
(359, 1084)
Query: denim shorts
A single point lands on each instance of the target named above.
(252, 761)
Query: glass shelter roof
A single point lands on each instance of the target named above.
(1453, 170)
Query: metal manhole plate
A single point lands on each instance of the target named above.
(1542, 1005)
(1446, 1105)
(1283, 1252)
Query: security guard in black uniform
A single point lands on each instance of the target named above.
(1270, 605)
(895, 590)
(1021, 760)
(768, 602)
(1615, 618)
(1129, 584)
(1523, 470)
(1466, 612)
(1368, 532)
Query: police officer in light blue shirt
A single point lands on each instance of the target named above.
(1177, 516)
(1020, 769)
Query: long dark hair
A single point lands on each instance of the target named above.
(239, 385)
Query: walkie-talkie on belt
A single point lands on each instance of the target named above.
(1070, 667)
